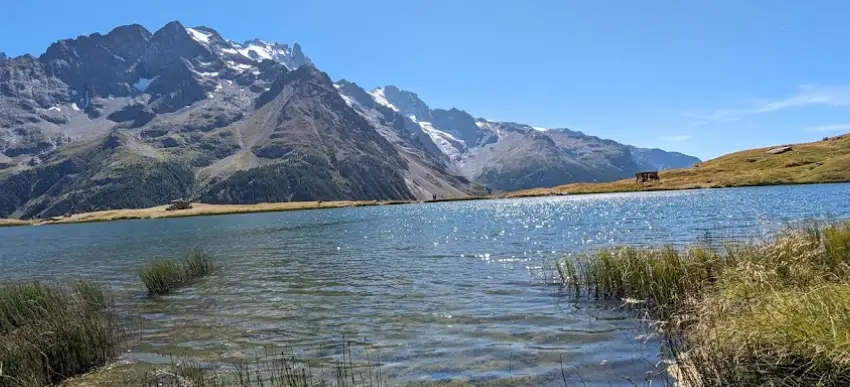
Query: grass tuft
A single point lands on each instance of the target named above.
(49, 333)
(162, 277)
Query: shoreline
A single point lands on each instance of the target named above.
(627, 186)
(197, 210)
(205, 209)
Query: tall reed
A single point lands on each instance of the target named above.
(774, 313)
(49, 333)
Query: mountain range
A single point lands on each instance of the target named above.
(135, 118)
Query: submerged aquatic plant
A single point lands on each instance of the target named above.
(162, 277)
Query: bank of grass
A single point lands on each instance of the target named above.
(13, 222)
(774, 313)
(50, 332)
(204, 209)
(826, 161)
(161, 277)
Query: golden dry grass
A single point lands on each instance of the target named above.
(13, 222)
(817, 162)
(202, 209)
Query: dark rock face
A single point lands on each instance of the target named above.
(459, 122)
(177, 87)
(25, 79)
(357, 93)
(169, 46)
(28, 97)
(98, 64)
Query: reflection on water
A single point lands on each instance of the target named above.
(436, 291)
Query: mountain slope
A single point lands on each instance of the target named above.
(826, 161)
(313, 146)
(657, 159)
(509, 156)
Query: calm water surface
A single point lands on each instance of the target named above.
(438, 291)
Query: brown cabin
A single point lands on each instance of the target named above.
(643, 177)
(178, 204)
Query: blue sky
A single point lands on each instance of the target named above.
(704, 78)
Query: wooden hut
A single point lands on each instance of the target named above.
(178, 204)
(643, 177)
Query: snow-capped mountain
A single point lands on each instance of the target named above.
(133, 118)
(509, 156)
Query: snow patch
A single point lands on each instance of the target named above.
(121, 58)
(381, 99)
(75, 107)
(143, 83)
(229, 51)
(238, 66)
(539, 129)
(212, 74)
(210, 95)
(257, 53)
(218, 87)
(443, 140)
(259, 50)
(54, 109)
(199, 36)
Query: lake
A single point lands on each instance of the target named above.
(456, 290)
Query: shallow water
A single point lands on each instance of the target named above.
(436, 291)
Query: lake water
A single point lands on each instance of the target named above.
(438, 291)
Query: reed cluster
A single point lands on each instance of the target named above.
(772, 313)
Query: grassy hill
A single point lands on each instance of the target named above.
(826, 161)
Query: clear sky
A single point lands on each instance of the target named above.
(700, 77)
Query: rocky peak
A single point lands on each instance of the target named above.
(298, 57)
(356, 92)
(258, 50)
(3, 56)
(98, 64)
(458, 122)
(407, 103)
(169, 45)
